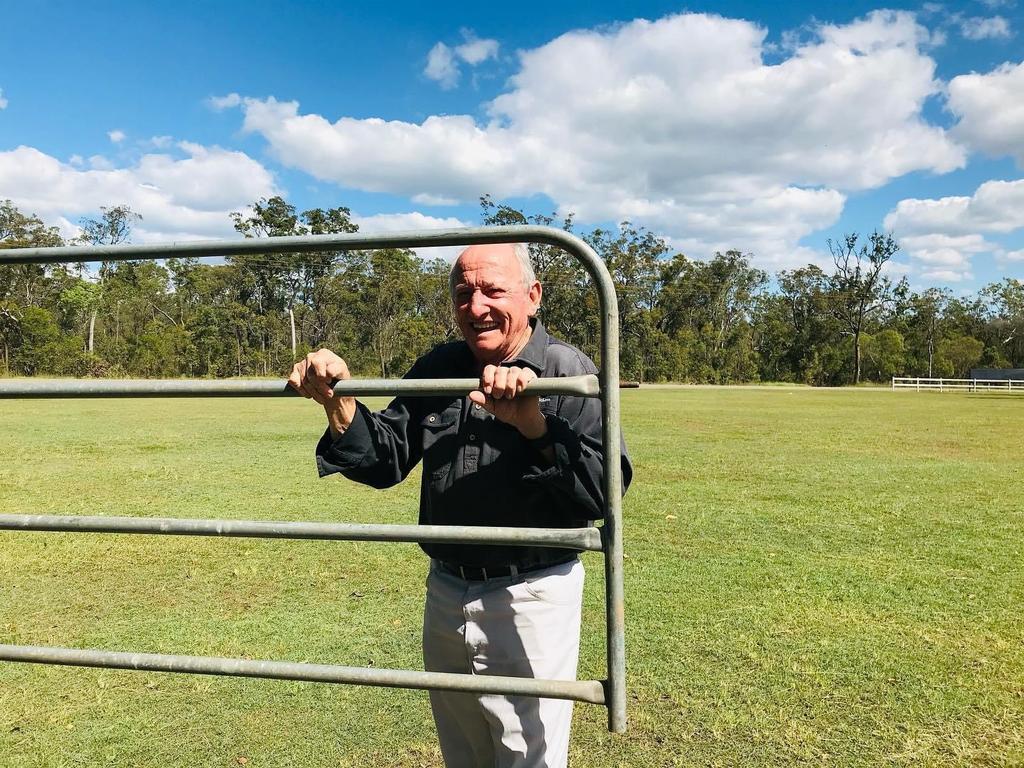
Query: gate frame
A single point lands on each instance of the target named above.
(610, 692)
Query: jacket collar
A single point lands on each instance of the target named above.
(532, 354)
(535, 350)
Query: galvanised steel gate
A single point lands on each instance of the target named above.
(607, 538)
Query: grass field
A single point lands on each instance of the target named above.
(812, 577)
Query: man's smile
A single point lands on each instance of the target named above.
(484, 327)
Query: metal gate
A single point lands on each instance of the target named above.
(607, 538)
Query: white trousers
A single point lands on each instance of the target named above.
(521, 626)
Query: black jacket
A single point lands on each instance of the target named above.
(478, 470)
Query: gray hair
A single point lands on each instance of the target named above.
(522, 252)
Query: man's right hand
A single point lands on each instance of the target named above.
(313, 377)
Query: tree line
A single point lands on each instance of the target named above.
(715, 321)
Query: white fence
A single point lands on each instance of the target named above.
(958, 385)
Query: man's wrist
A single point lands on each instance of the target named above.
(540, 438)
(535, 428)
(340, 415)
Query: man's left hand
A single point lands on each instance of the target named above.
(501, 393)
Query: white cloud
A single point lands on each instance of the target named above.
(179, 197)
(116, 136)
(938, 250)
(100, 163)
(441, 66)
(434, 200)
(220, 103)
(946, 232)
(981, 28)
(946, 275)
(676, 124)
(475, 51)
(443, 61)
(774, 218)
(161, 142)
(991, 110)
(402, 222)
(1012, 255)
(996, 206)
(3, 101)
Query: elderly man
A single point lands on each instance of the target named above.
(499, 457)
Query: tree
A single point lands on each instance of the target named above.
(885, 354)
(925, 320)
(78, 302)
(730, 284)
(113, 227)
(41, 347)
(310, 285)
(713, 320)
(24, 282)
(433, 300)
(706, 307)
(10, 325)
(387, 309)
(958, 354)
(797, 333)
(633, 257)
(296, 285)
(859, 289)
(1006, 300)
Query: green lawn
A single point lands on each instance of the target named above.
(813, 577)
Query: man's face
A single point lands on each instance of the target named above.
(492, 306)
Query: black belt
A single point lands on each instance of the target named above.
(482, 573)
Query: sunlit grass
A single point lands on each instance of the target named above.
(827, 577)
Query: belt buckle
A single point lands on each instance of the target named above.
(480, 573)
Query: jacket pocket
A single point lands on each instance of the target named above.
(440, 440)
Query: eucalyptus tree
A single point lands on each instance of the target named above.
(386, 309)
(113, 227)
(797, 331)
(633, 256)
(859, 288)
(288, 284)
(924, 322)
(24, 283)
(1006, 320)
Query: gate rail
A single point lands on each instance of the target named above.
(610, 692)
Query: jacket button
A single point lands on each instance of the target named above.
(472, 438)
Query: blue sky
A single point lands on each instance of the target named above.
(717, 125)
